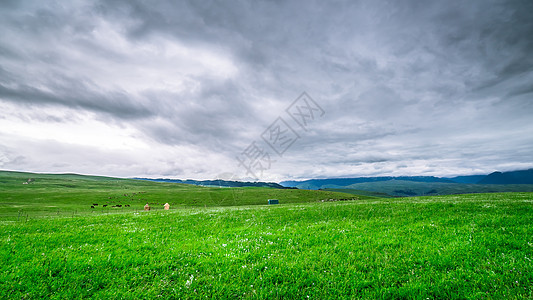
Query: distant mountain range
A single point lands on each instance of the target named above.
(515, 181)
(399, 186)
(315, 184)
(514, 177)
(220, 183)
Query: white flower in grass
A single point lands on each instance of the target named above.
(189, 281)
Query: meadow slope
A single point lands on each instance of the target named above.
(57, 195)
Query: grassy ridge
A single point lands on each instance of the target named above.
(71, 195)
(454, 247)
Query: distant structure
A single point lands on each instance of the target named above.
(147, 207)
(273, 201)
(167, 206)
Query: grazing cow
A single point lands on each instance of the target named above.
(92, 206)
(105, 205)
(127, 205)
(119, 205)
(95, 204)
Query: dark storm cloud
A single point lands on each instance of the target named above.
(39, 73)
(431, 82)
(213, 115)
(74, 93)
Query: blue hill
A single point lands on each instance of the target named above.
(514, 177)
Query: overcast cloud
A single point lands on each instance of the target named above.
(163, 89)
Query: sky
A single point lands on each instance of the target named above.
(266, 90)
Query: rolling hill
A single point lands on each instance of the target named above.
(35, 195)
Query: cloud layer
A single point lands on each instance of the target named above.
(127, 88)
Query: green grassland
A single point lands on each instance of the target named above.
(360, 193)
(442, 247)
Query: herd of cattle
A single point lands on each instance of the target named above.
(105, 205)
(94, 205)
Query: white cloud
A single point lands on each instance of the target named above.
(67, 126)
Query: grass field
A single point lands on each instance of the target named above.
(443, 247)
